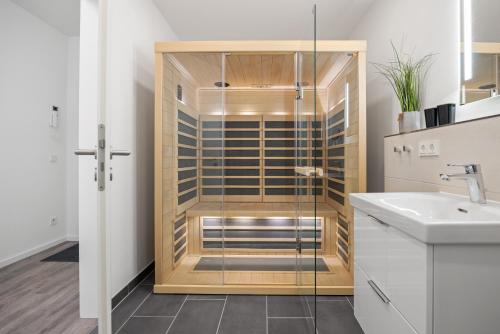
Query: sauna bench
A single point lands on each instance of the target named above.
(236, 209)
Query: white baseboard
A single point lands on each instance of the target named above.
(72, 238)
(32, 251)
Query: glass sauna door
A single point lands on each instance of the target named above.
(304, 169)
(309, 172)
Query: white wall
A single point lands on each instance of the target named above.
(71, 122)
(409, 172)
(33, 67)
(425, 26)
(134, 26)
(262, 19)
(485, 22)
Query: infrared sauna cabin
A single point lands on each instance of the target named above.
(257, 147)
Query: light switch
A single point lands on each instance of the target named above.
(428, 148)
(54, 117)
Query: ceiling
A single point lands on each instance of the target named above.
(261, 19)
(257, 70)
(228, 19)
(64, 15)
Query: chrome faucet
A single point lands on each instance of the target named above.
(474, 179)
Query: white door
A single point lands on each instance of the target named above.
(95, 156)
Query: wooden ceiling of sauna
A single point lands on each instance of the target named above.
(243, 70)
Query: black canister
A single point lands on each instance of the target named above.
(431, 117)
(446, 113)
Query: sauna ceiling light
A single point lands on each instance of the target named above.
(219, 84)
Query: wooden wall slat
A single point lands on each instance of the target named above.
(186, 157)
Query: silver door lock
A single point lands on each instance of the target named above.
(98, 154)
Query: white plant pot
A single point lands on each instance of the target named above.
(409, 121)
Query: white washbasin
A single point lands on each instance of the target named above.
(434, 217)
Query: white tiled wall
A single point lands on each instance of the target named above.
(471, 142)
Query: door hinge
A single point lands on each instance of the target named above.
(299, 245)
(300, 92)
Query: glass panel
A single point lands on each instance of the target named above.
(308, 224)
(259, 159)
(191, 140)
(222, 132)
(302, 164)
(317, 120)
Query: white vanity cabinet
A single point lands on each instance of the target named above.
(393, 273)
(404, 285)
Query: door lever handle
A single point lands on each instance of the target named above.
(87, 152)
(121, 153)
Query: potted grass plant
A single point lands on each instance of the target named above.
(406, 75)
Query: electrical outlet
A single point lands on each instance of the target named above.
(53, 221)
(428, 148)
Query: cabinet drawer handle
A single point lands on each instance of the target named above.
(377, 220)
(379, 292)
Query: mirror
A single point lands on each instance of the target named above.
(480, 56)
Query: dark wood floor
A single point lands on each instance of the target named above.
(41, 297)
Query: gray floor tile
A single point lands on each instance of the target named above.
(312, 306)
(324, 299)
(198, 297)
(292, 326)
(351, 300)
(287, 306)
(125, 309)
(161, 305)
(198, 316)
(244, 315)
(149, 280)
(336, 317)
(149, 325)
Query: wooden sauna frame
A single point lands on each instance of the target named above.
(164, 263)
